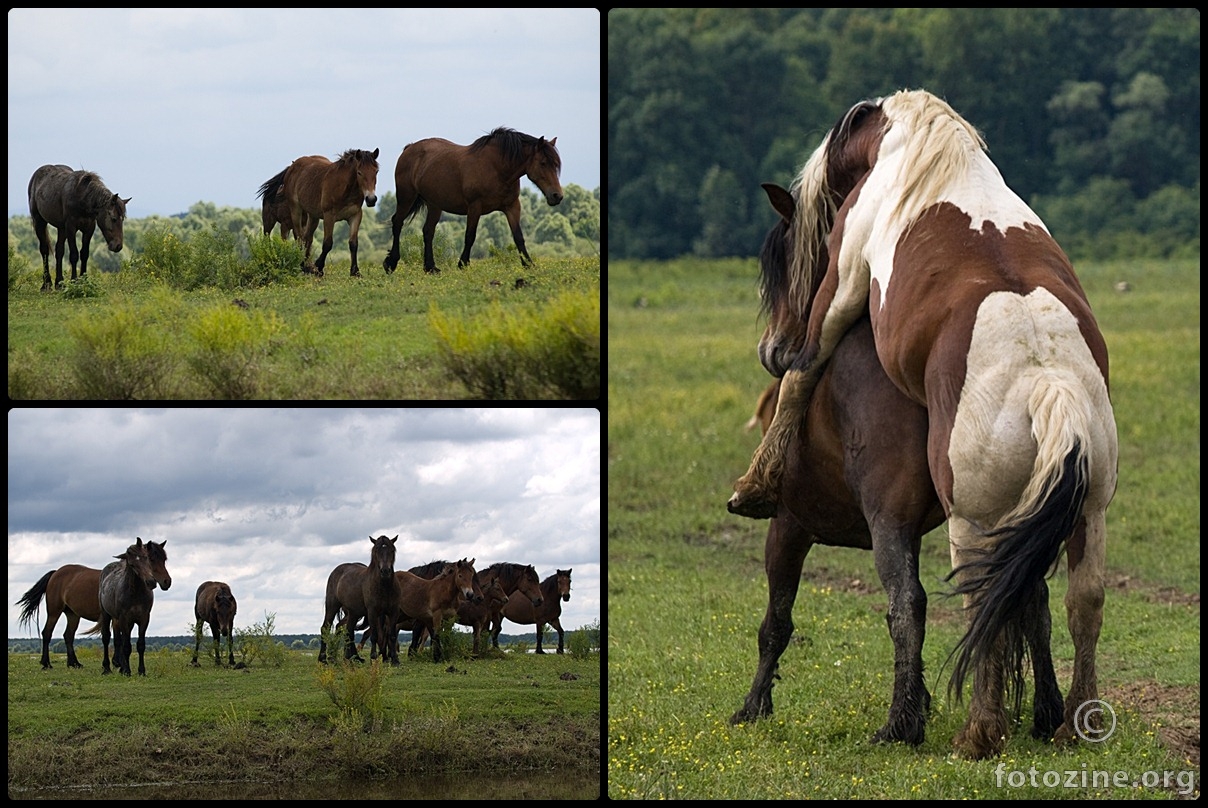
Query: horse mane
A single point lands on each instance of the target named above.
(92, 193)
(815, 214)
(514, 144)
(937, 145)
(355, 156)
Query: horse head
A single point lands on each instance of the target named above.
(136, 561)
(383, 555)
(544, 169)
(464, 576)
(564, 584)
(367, 171)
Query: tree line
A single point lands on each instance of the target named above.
(1091, 115)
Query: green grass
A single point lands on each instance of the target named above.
(687, 590)
(181, 723)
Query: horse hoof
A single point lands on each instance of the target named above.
(355, 273)
(432, 270)
(752, 504)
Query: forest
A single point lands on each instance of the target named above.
(1091, 115)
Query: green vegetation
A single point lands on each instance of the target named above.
(687, 590)
(1091, 115)
(300, 720)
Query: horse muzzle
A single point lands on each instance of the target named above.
(371, 200)
(553, 199)
(115, 245)
(566, 598)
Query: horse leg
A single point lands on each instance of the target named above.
(196, 642)
(142, 646)
(328, 225)
(310, 223)
(217, 644)
(557, 624)
(60, 244)
(52, 618)
(105, 621)
(73, 622)
(512, 212)
(230, 646)
(354, 227)
(434, 630)
(429, 231)
(896, 553)
(44, 248)
(1046, 701)
(1084, 604)
(472, 217)
(784, 553)
(74, 253)
(85, 240)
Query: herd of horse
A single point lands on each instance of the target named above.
(433, 173)
(120, 597)
(938, 361)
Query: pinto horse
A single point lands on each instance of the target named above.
(127, 595)
(73, 200)
(472, 181)
(554, 590)
(316, 188)
(978, 316)
(347, 587)
(857, 477)
(216, 606)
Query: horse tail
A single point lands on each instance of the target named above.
(1029, 539)
(272, 187)
(415, 208)
(32, 599)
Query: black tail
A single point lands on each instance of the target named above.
(1001, 583)
(272, 187)
(33, 598)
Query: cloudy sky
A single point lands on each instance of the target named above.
(176, 106)
(270, 501)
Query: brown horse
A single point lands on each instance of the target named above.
(73, 200)
(345, 590)
(474, 612)
(316, 188)
(274, 209)
(512, 578)
(554, 590)
(127, 595)
(472, 181)
(215, 605)
(74, 590)
(426, 602)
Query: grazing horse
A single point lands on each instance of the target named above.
(426, 602)
(316, 188)
(857, 476)
(127, 595)
(215, 605)
(73, 200)
(346, 590)
(978, 316)
(512, 578)
(554, 589)
(472, 181)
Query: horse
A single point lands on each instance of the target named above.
(978, 316)
(512, 578)
(72, 200)
(346, 590)
(474, 612)
(426, 602)
(275, 208)
(316, 188)
(73, 590)
(472, 181)
(215, 605)
(127, 595)
(382, 592)
(857, 476)
(554, 589)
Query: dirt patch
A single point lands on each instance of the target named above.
(1174, 710)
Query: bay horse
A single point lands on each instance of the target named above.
(512, 578)
(75, 591)
(275, 208)
(472, 181)
(73, 200)
(127, 595)
(316, 188)
(426, 602)
(554, 590)
(215, 605)
(978, 316)
(346, 589)
(857, 476)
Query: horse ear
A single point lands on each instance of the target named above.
(781, 200)
(553, 142)
(375, 154)
(140, 541)
(394, 540)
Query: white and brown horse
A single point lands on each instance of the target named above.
(978, 316)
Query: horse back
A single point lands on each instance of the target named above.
(75, 588)
(48, 193)
(304, 181)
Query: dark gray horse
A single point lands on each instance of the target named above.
(73, 200)
(215, 605)
(127, 594)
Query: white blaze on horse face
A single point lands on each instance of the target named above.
(1022, 347)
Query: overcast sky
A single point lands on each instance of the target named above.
(270, 501)
(176, 106)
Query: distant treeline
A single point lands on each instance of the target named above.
(1092, 115)
(567, 230)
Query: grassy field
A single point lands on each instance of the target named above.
(182, 724)
(139, 334)
(687, 590)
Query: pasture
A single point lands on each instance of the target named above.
(192, 726)
(687, 590)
